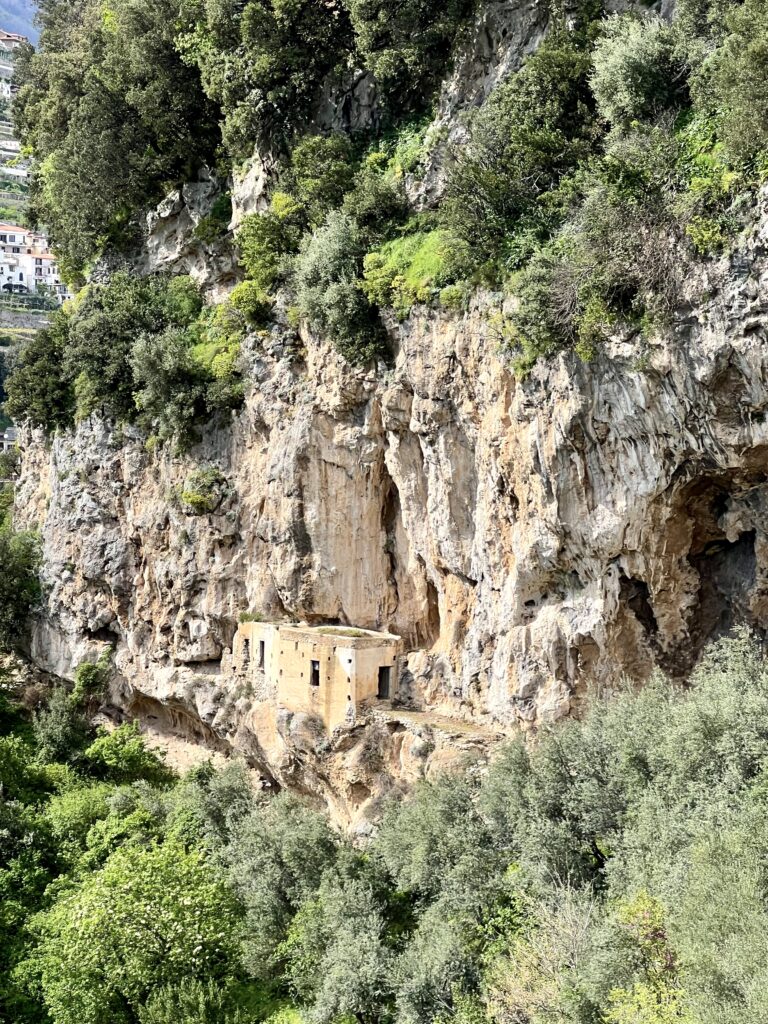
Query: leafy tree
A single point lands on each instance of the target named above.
(60, 728)
(321, 174)
(170, 387)
(638, 72)
(264, 62)
(732, 82)
(436, 967)
(407, 45)
(533, 130)
(19, 584)
(71, 814)
(337, 959)
(149, 918)
(266, 239)
(193, 1002)
(276, 857)
(38, 392)
(103, 330)
(543, 976)
(328, 292)
(208, 804)
(112, 114)
(122, 756)
(435, 833)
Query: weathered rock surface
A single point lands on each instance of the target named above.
(172, 246)
(527, 540)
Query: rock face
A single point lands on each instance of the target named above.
(172, 246)
(526, 539)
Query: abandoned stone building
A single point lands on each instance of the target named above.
(328, 671)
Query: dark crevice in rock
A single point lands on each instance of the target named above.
(390, 520)
(635, 594)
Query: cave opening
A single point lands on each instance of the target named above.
(726, 571)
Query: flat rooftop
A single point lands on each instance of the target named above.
(329, 632)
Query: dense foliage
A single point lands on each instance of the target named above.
(112, 114)
(610, 873)
(137, 349)
(624, 149)
(19, 562)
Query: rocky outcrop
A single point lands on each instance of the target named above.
(173, 246)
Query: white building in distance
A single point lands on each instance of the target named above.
(9, 44)
(27, 266)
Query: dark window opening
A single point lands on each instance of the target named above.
(385, 673)
(246, 652)
(261, 654)
(314, 678)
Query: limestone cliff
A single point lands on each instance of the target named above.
(527, 539)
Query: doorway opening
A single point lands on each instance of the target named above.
(385, 676)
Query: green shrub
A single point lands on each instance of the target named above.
(19, 584)
(264, 64)
(169, 393)
(265, 239)
(406, 270)
(410, 144)
(123, 932)
(321, 173)
(638, 72)
(193, 1002)
(408, 45)
(38, 392)
(329, 293)
(10, 463)
(92, 679)
(215, 225)
(377, 199)
(103, 329)
(122, 756)
(249, 617)
(71, 815)
(532, 131)
(139, 349)
(202, 492)
(250, 300)
(60, 728)
(453, 298)
(732, 83)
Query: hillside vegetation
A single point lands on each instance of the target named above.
(614, 873)
(623, 151)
